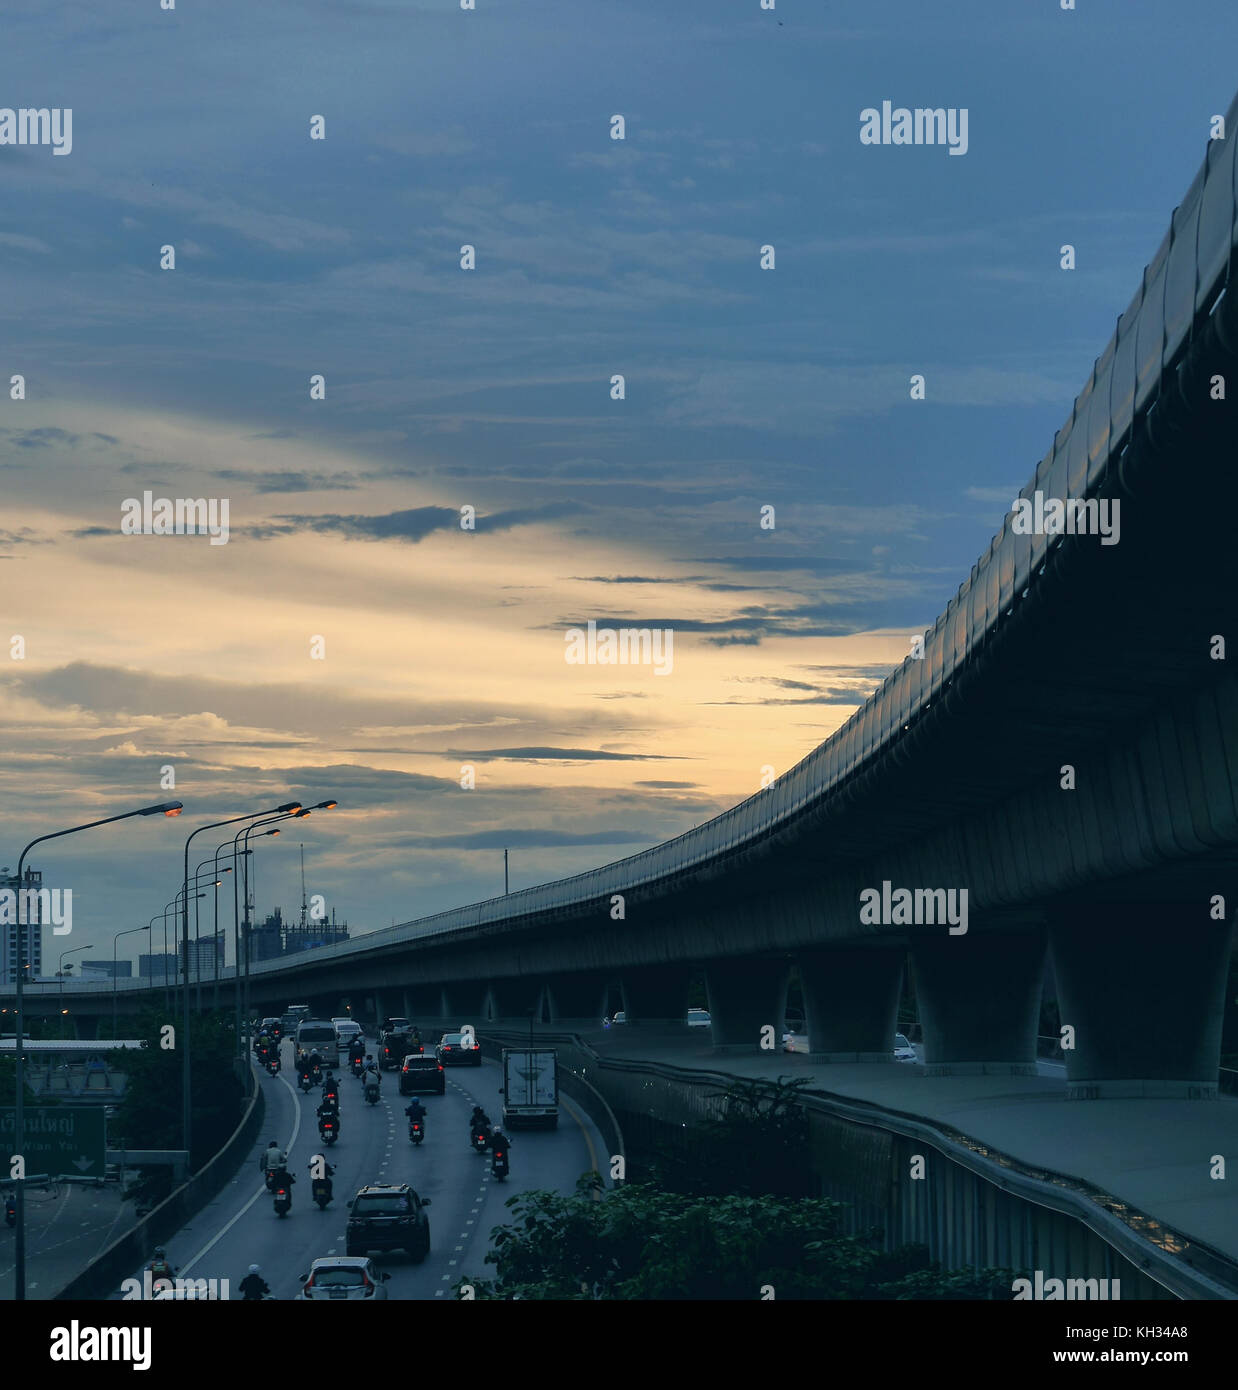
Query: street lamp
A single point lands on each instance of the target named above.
(166, 808)
(115, 940)
(197, 940)
(60, 972)
(186, 1107)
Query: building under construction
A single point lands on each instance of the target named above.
(275, 937)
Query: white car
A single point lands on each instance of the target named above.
(345, 1031)
(699, 1018)
(343, 1276)
(903, 1050)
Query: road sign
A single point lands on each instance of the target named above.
(57, 1139)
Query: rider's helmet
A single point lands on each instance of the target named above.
(253, 1269)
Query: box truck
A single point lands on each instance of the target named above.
(530, 1088)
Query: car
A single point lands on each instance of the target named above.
(343, 1276)
(393, 1025)
(903, 1050)
(422, 1073)
(699, 1018)
(620, 1018)
(346, 1030)
(388, 1216)
(274, 1026)
(454, 1050)
(394, 1048)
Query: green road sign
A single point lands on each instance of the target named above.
(57, 1139)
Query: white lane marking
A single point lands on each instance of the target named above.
(261, 1192)
(438, 1293)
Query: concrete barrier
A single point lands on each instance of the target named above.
(128, 1253)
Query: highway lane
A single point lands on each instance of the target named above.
(240, 1227)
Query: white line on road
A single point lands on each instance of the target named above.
(261, 1192)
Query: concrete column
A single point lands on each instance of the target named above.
(465, 1002)
(1143, 986)
(851, 1001)
(979, 999)
(577, 1000)
(656, 996)
(746, 995)
(515, 998)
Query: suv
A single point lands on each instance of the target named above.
(461, 1049)
(393, 1049)
(422, 1073)
(393, 1025)
(388, 1216)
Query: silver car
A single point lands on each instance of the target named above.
(699, 1018)
(343, 1276)
(903, 1050)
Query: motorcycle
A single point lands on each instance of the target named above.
(358, 1066)
(371, 1093)
(328, 1130)
(283, 1201)
(10, 1212)
(273, 1066)
(270, 1179)
(415, 1131)
(498, 1164)
(316, 1075)
(303, 1080)
(479, 1140)
(321, 1192)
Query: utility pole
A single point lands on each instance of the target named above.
(505, 890)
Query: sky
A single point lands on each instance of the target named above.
(351, 639)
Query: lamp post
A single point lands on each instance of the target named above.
(197, 940)
(186, 1099)
(73, 950)
(127, 932)
(167, 808)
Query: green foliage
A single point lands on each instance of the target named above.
(640, 1241)
(149, 1117)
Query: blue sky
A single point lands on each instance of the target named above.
(491, 388)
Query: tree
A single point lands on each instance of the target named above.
(640, 1241)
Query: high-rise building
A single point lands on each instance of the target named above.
(33, 914)
(159, 967)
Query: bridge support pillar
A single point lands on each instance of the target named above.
(515, 999)
(655, 997)
(578, 1000)
(851, 1001)
(465, 1002)
(746, 996)
(979, 999)
(1143, 987)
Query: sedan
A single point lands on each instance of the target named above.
(459, 1049)
(903, 1050)
(343, 1276)
(699, 1018)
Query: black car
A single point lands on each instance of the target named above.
(422, 1073)
(385, 1216)
(393, 1049)
(459, 1049)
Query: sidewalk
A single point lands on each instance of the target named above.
(1154, 1154)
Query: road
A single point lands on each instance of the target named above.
(67, 1226)
(240, 1228)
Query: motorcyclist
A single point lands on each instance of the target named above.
(498, 1141)
(479, 1121)
(160, 1267)
(370, 1080)
(253, 1287)
(315, 1059)
(415, 1110)
(281, 1178)
(273, 1158)
(330, 1086)
(328, 1172)
(303, 1063)
(356, 1052)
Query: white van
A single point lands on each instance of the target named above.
(345, 1031)
(316, 1033)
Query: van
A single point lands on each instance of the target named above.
(316, 1032)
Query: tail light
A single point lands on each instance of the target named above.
(498, 1153)
(282, 1192)
(440, 1066)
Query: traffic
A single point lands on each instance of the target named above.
(349, 1208)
